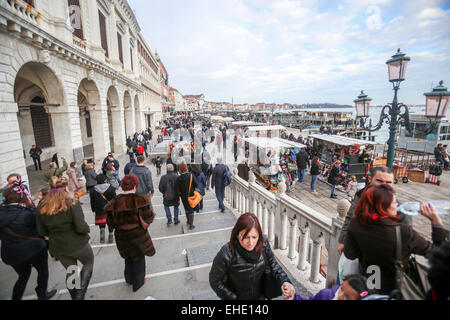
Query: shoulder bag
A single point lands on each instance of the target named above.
(196, 198)
(412, 284)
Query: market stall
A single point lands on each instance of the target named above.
(355, 154)
(272, 161)
(266, 131)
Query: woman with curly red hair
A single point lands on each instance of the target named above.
(371, 235)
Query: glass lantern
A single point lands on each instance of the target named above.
(397, 66)
(362, 105)
(437, 101)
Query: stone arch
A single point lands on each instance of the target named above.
(38, 92)
(139, 115)
(130, 125)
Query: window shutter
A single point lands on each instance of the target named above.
(103, 37)
(88, 125)
(41, 127)
(77, 32)
(131, 57)
(119, 41)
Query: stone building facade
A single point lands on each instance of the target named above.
(70, 80)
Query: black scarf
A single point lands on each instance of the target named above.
(249, 256)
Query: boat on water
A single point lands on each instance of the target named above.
(419, 139)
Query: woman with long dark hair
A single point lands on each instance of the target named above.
(184, 188)
(371, 235)
(245, 267)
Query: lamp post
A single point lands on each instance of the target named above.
(391, 113)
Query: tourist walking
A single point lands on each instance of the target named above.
(35, 154)
(184, 188)
(375, 218)
(239, 269)
(333, 177)
(60, 218)
(201, 181)
(315, 171)
(130, 216)
(100, 195)
(302, 162)
(170, 196)
(144, 175)
(90, 176)
(72, 173)
(111, 175)
(54, 171)
(243, 170)
(352, 188)
(129, 165)
(218, 182)
(22, 246)
(158, 164)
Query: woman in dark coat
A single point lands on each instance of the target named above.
(60, 218)
(90, 176)
(201, 181)
(332, 178)
(315, 171)
(184, 188)
(238, 270)
(130, 215)
(371, 235)
(102, 193)
(22, 246)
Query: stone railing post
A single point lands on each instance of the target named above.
(265, 219)
(333, 254)
(292, 237)
(304, 237)
(284, 230)
(272, 227)
(315, 259)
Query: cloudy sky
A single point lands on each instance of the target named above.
(298, 51)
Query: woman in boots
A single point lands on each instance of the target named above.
(130, 215)
(102, 193)
(22, 247)
(185, 187)
(60, 218)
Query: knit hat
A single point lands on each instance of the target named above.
(169, 168)
(343, 206)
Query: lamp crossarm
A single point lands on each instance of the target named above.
(384, 116)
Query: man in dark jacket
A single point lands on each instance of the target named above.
(145, 187)
(170, 198)
(110, 159)
(243, 170)
(302, 163)
(35, 153)
(379, 175)
(218, 182)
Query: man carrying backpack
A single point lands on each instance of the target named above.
(167, 188)
(220, 179)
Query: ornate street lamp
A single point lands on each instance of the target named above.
(362, 105)
(437, 102)
(392, 112)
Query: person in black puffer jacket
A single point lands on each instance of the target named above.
(238, 270)
(22, 246)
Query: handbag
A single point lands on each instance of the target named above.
(196, 198)
(80, 193)
(413, 284)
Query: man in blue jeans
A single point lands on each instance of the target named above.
(167, 188)
(218, 182)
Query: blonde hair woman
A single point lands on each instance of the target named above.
(60, 218)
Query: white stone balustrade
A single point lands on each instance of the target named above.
(287, 222)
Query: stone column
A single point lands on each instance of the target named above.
(100, 132)
(292, 238)
(11, 152)
(304, 237)
(67, 133)
(130, 122)
(93, 36)
(114, 47)
(315, 260)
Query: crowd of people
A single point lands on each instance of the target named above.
(245, 267)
